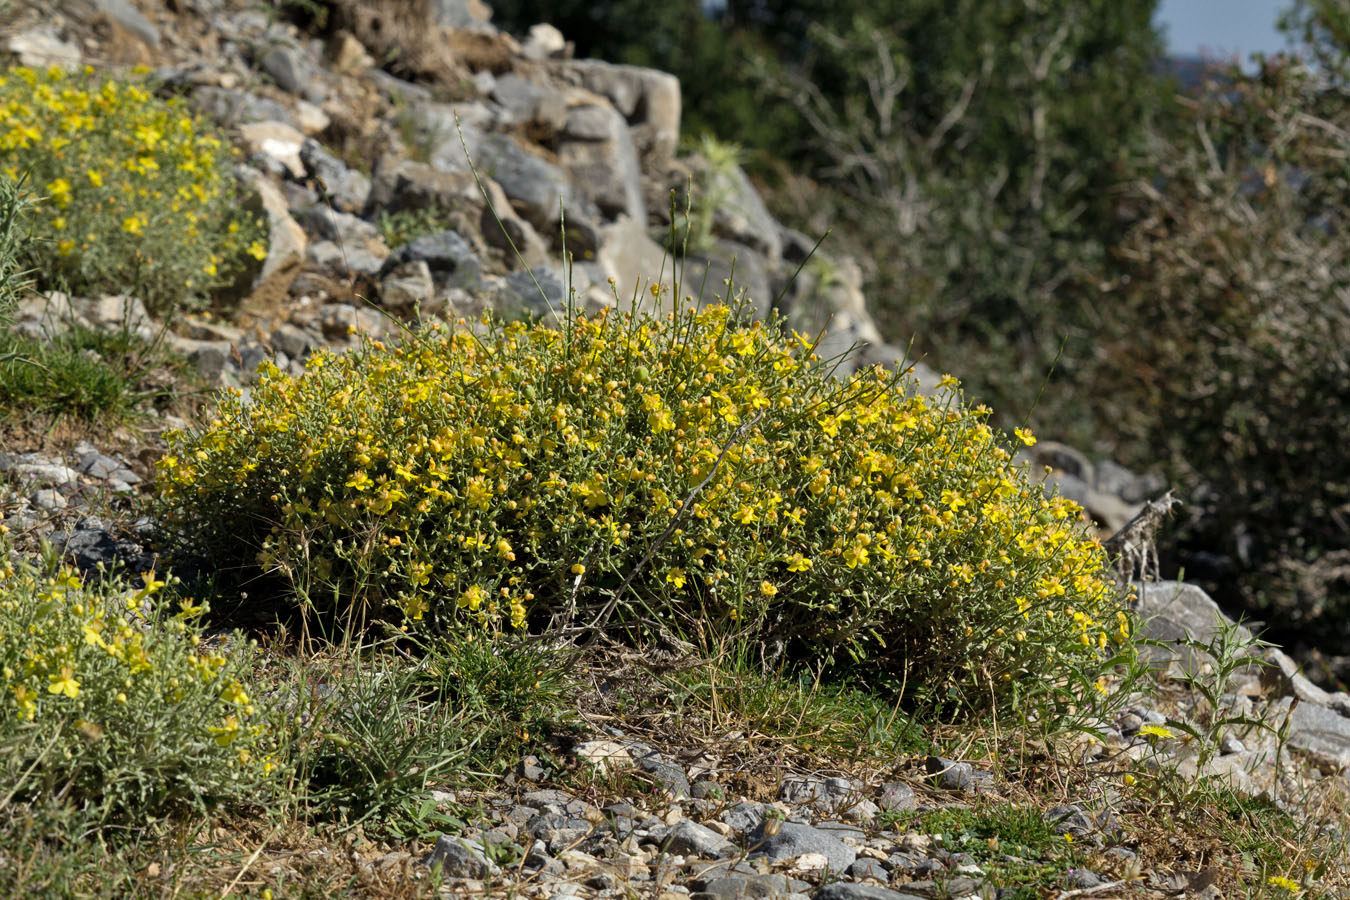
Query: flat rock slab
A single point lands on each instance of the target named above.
(845, 890)
(794, 840)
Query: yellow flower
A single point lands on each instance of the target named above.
(472, 598)
(1025, 436)
(226, 732)
(60, 192)
(234, 693)
(798, 563)
(855, 556)
(131, 225)
(676, 576)
(1155, 731)
(257, 251)
(65, 683)
(767, 589)
(95, 178)
(1283, 883)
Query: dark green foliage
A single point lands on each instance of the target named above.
(1224, 352)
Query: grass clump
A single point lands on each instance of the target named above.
(138, 192)
(407, 225)
(112, 702)
(82, 372)
(677, 472)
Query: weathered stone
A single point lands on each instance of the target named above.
(348, 189)
(473, 15)
(1321, 733)
(288, 67)
(119, 13)
(41, 49)
(231, 108)
(461, 858)
(529, 103)
(448, 257)
(794, 840)
(114, 312)
(503, 229)
(598, 156)
(1172, 611)
(278, 140)
(896, 796)
(671, 777)
(689, 839)
(739, 214)
(538, 190)
(633, 260)
(727, 272)
(846, 890)
(408, 288)
(294, 342)
(649, 100)
(543, 41)
(400, 184)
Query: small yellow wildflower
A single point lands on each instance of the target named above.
(1154, 732)
(64, 683)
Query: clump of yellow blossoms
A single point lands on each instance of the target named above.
(111, 695)
(508, 474)
(134, 193)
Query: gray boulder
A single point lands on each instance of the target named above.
(647, 99)
(597, 154)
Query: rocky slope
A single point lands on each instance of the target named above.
(517, 155)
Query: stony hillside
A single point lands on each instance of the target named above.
(413, 164)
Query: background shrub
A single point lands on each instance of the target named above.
(1223, 354)
(137, 193)
(111, 700)
(514, 475)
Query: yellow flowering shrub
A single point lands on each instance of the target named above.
(506, 475)
(134, 193)
(110, 694)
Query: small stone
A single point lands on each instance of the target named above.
(690, 839)
(48, 499)
(865, 869)
(794, 839)
(896, 796)
(461, 858)
(1079, 879)
(1070, 820)
(668, 774)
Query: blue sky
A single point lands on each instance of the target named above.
(1221, 28)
